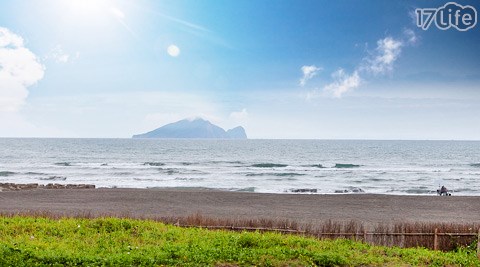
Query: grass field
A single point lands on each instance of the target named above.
(30, 241)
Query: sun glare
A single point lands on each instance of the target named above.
(91, 11)
(87, 6)
(117, 13)
(173, 50)
(91, 14)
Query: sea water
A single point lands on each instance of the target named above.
(273, 166)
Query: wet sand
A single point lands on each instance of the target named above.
(369, 209)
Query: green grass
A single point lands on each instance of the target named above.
(29, 241)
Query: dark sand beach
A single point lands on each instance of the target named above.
(369, 209)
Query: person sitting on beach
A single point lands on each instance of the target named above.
(443, 191)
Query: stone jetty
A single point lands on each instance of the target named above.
(17, 187)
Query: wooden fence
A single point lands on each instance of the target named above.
(375, 238)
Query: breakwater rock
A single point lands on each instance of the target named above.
(17, 187)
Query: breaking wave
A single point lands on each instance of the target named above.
(268, 165)
(228, 162)
(246, 189)
(154, 164)
(53, 178)
(189, 179)
(418, 191)
(346, 166)
(280, 174)
(304, 190)
(283, 179)
(350, 190)
(169, 171)
(35, 173)
(65, 164)
(123, 173)
(6, 173)
(315, 166)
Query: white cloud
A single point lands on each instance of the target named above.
(413, 16)
(63, 58)
(387, 52)
(378, 62)
(410, 36)
(343, 82)
(9, 39)
(239, 115)
(19, 69)
(58, 55)
(308, 73)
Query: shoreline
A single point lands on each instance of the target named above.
(369, 209)
(302, 191)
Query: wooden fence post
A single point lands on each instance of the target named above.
(478, 244)
(435, 240)
(365, 236)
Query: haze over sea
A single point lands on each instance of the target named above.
(274, 166)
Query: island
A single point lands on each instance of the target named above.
(197, 128)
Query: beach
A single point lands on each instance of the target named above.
(369, 209)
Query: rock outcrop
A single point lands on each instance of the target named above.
(17, 187)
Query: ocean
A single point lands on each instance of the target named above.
(263, 166)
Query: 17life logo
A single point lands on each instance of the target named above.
(462, 18)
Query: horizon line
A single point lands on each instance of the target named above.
(213, 139)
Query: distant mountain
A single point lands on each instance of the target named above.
(237, 133)
(197, 128)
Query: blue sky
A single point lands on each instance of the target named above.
(282, 69)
